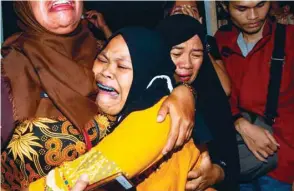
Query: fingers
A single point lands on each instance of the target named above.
(91, 20)
(163, 111)
(258, 156)
(192, 185)
(196, 185)
(189, 134)
(273, 140)
(81, 184)
(186, 129)
(194, 174)
(269, 145)
(173, 135)
(269, 151)
(253, 149)
(182, 134)
(263, 153)
(91, 13)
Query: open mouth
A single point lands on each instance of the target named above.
(107, 88)
(62, 4)
(184, 77)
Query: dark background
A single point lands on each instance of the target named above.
(116, 13)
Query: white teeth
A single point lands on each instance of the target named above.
(61, 2)
(105, 87)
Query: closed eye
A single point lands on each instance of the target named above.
(123, 67)
(101, 59)
(176, 54)
(241, 9)
(196, 55)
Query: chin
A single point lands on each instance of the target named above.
(252, 31)
(63, 22)
(64, 28)
(109, 107)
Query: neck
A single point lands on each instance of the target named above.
(253, 38)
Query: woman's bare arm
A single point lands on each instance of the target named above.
(222, 74)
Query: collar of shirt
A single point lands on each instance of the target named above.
(235, 46)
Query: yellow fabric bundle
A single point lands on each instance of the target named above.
(134, 145)
(172, 174)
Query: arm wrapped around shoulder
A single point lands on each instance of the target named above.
(133, 146)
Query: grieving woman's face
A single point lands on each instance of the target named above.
(59, 17)
(114, 75)
(188, 57)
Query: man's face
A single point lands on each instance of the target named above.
(249, 16)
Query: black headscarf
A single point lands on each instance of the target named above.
(152, 71)
(177, 29)
(212, 101)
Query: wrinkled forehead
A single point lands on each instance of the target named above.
(117, 48)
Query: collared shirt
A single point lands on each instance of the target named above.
(244, 46)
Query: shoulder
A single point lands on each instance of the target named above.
(223, 33)
(225, 29)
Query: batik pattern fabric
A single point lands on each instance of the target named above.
(41, 144)
(133, 149)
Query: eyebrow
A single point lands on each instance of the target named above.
(102, 54)
(178, 47)
(198, 50)
(124, 58)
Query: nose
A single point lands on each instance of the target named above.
(108, 71)
(184, 62)
(252, 14)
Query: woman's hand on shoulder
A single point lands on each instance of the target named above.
(181, 107)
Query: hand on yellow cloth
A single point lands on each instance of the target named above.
(181, 107)
(81, 184)
(206, 175)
